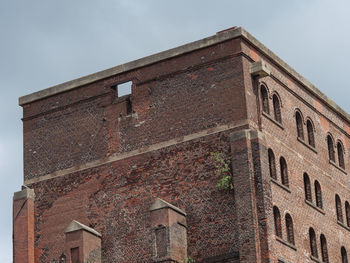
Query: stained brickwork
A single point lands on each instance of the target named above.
(103, 160)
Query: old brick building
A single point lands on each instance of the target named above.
(111, 178)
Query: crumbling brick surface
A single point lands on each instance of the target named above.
(114, 199)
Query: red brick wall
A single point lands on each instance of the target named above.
(301, 158)
(115, 198)
(84, 124)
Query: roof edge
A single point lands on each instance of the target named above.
(199, 44)
(292, 72)
(145, 61)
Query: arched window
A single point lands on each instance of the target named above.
(338, 208)
(272, 164)
(307, 188)
(324, 250)
(318, 195)
(264, 99)
(284, 172)
(277, 219)
(347, 213)
(340, 155)
(277, 108)
(300, 129)
(289, 227)
(313, 244)
(330, 148)
(344, 255)
(310, 133)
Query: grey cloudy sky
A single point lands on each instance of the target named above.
(46, 42)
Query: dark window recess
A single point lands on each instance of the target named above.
(330, 148)
(313, 244)
(338, 208)
(347, 213)
(74, 255)
(310, 134)
(344, 255)
(277, 109)
(272, 164)
(299, 123)
(290, 230)
(307, 188)
(277, 219)
(264, 99)
(318, 195)
(324, 250)
(284, 172)
(340, 155)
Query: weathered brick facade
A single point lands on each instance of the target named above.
(131, 179)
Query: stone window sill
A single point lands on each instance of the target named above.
(315, 207)
(267, 116)
(286, 243)
(281, 185)
(343, 225)
(338, 167)
(315, 259)
(306, 145)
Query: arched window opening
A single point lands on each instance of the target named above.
(324, 250)
(330, 148)
(307, 188)
(284, 172)
(289, 227)
(272, 164)
(310, 133)
(347, 213)
(299, 122)
(264, 99)
(313, 244)
(340, 155)
(277, 109)
(339, 209)
(277, 219)
(344, 255)
(318, 195)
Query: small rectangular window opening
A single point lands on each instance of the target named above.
(124, 88)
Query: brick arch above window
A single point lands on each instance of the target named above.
(290, 229)
(307, 187)
(341, 153)
(310, 132)
(299, 120)
(338, 208)
(284, 172)
(277, 221)
(264, 95)
(272, 164)
(276, 101)
(344, 255)
(330, 146)
(318, 195)
(324, 250)
(313, 243)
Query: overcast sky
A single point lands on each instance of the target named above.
(46, 42)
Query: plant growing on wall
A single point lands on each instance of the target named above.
(223, 170)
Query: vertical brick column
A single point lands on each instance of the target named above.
(169, 232)
(83, 244)
(23, 226)
(247, 148)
